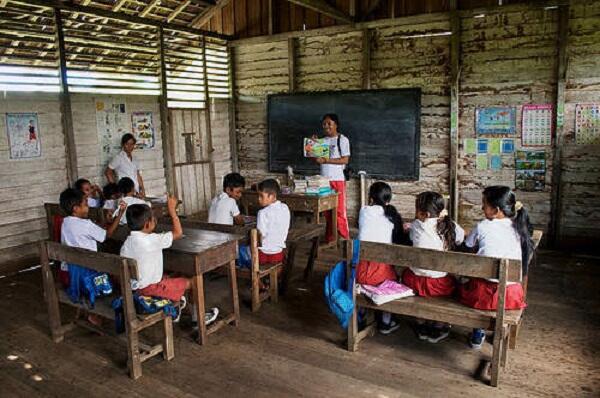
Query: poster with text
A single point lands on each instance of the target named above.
(111, 123)
(496, 120)
(587, 123)
(143, 129)
(530, 170)
(23, 135)
(536, 125)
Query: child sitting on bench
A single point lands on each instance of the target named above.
(223, 208)
(505, 233)
(145, 246)
(272, 222)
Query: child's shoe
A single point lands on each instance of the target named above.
(387, 328)
(209, 317)
(477, 339)
(182, 304)
(437, 334)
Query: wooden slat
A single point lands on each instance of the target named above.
(324, 8)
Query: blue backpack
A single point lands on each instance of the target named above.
(143, 305)
(338, 288)
(87, 283)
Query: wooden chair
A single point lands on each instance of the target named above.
(444, 309)
(124, 269)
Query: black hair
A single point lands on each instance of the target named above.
(233, 180)
(80, 183)
(69, 198)
(380, 194)
(137, 216)
(269, 185)
(127, 137)
(126, 185)
(433, 203)
(334, 117)
(503, 198)
(109, 190)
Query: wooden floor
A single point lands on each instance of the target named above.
(295, 349)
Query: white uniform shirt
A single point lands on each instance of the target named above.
(81, 232)
(146, 250)
(129, 200)
(110, 204)
(335, 172)
(273, 223)
(424, 235)
(93, 202)
(125, 167)
(374, 226)
(223, 209)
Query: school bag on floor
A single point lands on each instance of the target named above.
(143, 305)
(338, 288)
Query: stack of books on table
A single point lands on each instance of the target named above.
(300, 186)
(318, 185)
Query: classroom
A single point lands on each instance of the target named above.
(284, 198)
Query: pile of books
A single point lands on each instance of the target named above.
(386, 291)
(317, 185)
(300, 186)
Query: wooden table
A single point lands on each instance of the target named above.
(198, 252)
(302, 203)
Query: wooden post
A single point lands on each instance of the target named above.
(454, 107)
(211, 165)
(499, 330)
(270, 16)
(165, 131)
(563, 36)
(366, 59)
(291, 64)
(65, 101)
(352, 9)
(232, 102)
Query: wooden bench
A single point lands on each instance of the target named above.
(444, 309)
(122, 268)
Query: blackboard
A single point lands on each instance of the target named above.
(383, 127)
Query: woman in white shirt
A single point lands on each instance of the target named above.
(123, 165)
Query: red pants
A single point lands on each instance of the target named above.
(482, 294)
(264, 258)
(373, 273)
(169, 288)
(342, 219)
(428, 287)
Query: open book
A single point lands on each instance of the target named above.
(386, 291)
(318, 148)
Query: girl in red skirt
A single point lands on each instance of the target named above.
(432, 229)
(380, 222)
(505, 233)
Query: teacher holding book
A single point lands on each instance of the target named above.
(333, 168)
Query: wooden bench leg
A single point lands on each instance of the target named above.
(168, 348)
(505, 349)
(499, 342)
(288, 266)
(255, 292)
(51, 297)
(133, 349)
(200, 307)
(513, 334)
(273, 288)
(310, 265)
(353, 331)
(233, 288)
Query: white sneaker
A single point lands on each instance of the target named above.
(209, 317)
(182, 304)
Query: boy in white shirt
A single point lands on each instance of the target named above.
(111, 195)
(272, 222)
(127, 189)
(145, 246)
(91, 192)
(223, 207)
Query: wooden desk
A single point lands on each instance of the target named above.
(198, 252)
(302, 203)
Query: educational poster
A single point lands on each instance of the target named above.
(481, 162)
(587, 123)
(508, 146)
(495, 162)
(536, 125)
(111, 123)
(496, 120)
(530, 170)
(23, 135)
(495, 145)
(143, 129)
(482, 146)
(470, 146)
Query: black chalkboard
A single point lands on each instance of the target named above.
(382, 126)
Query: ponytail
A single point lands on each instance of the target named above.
(433, 203)
(524, 228)
(446, 229)
(380, 194)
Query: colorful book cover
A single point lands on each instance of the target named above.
(318, 148)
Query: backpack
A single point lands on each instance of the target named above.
(348, 171)
(338, 288)
(87, 283)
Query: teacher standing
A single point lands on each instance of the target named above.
(124, 166)
(333, 168)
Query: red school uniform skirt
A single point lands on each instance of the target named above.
(373, 273)
(429, 287)
(482, 294)
(264, 258)
(168, 288)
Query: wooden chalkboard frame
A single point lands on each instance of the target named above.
(391, 177)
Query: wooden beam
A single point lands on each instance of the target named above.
(366, 59)
(149, 8)
(321, 6)
(3, 3)
(559, 112)
(208, 13)
(211, 149)
(119, 4)
(454, 107)
(178, 10)
(352, 9)
(291, 65)
(270, 16)
(232, 119)
(100, 12)
(165, 131)
(65, 102)
(371, 9)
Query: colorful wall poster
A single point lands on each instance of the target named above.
(496, 120)
(23, 135)
(508, 145)
(470, 146)
(495, 146)
(111, 123)
(316, 148)
(481, 162)
(142, 127)
(536, 125)
(482, 146)
(587, 123)
(530, 170)
(495, 162)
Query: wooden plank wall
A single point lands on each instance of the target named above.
(26, 184)
(580, 171)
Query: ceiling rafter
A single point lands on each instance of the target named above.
(149, 7)
(321, 6)
(119, 4)
(178, 10)
(208, 13)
